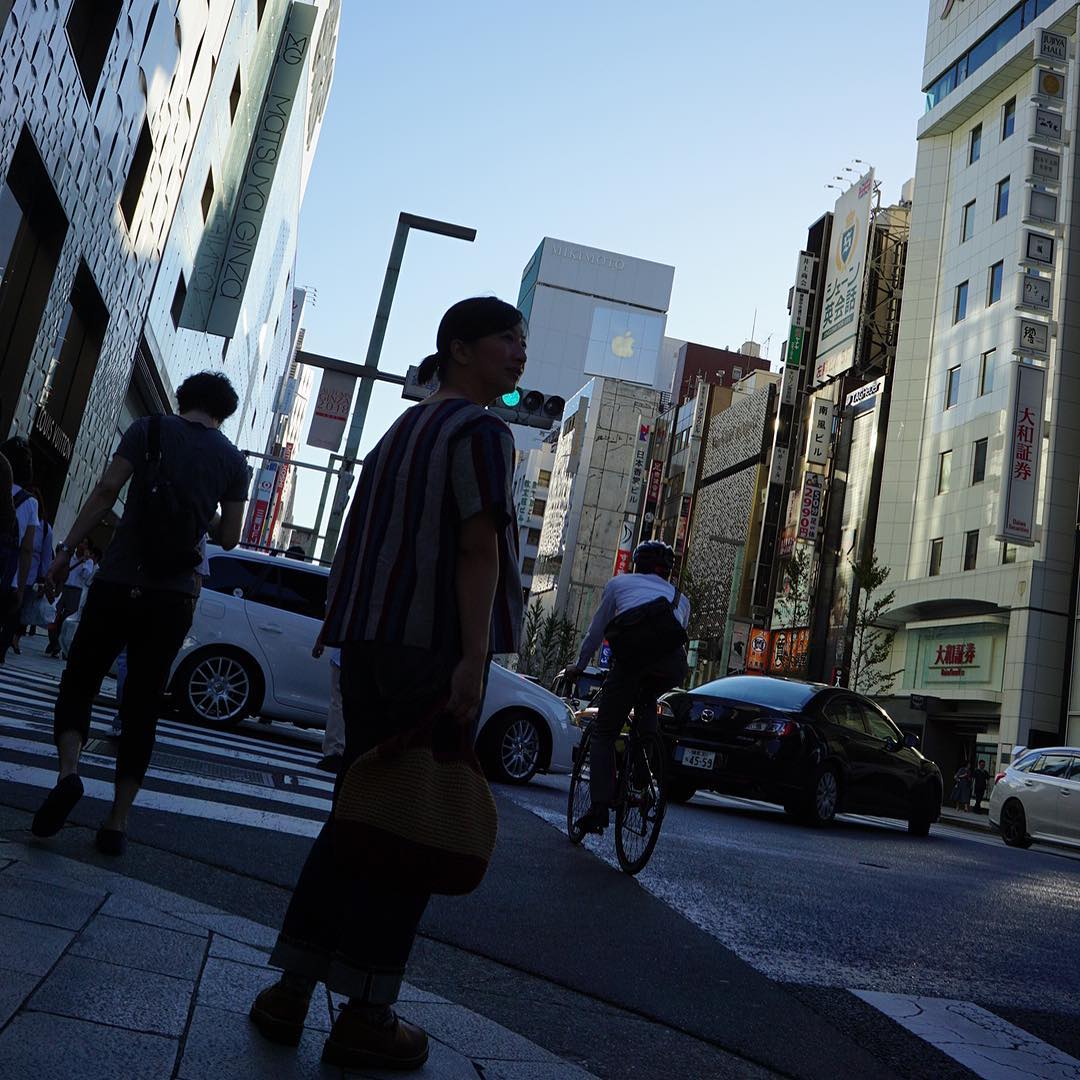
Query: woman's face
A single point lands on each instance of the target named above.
(495, 363)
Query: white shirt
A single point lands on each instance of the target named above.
(624, 592)
(81, 572)
(203, 569)
(27, 517)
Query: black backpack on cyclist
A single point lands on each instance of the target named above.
(647, 633)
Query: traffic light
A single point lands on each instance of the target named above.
(529, 407)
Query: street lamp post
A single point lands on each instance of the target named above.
(378, 333)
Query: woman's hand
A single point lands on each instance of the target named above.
(466, 689)
(57, 574)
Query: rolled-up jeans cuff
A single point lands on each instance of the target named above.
(369, 986)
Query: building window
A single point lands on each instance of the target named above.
(993, 284)
(234, 97)
(140, 162)
(952, 387)
(944, 471)
(971, 549)
(975, 144)
(1008, 118)
(1008, 554)
(986, 371)
(538, 508)
(533, 538)
(935, 556)
(208, 195)
(960, 304)
(978, 466)
(543, 478)
(1002, 205)
(90, 27)
(528, 565)
(177, 308)
(967, 222)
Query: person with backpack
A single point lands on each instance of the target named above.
(43, 556)
(181, 469)
(18, 541)
(644, 619)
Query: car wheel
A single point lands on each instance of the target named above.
(680, 792)
(1014, 824)
(824, 797)
(512, 747)
(219, 688)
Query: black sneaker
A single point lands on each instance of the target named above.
(595, 821)
(331, 763)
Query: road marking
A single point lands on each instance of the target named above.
(990, 1047)
(175, 804)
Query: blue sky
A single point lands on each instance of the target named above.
(692, 133)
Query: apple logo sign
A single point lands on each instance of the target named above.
(623, 345)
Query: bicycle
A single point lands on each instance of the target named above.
(640, 795)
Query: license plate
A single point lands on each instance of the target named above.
(697, 759)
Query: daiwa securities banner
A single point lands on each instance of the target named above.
(332, 407)
(845, 270)
(1020, 476)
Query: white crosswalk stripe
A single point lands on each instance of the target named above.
(228, 776)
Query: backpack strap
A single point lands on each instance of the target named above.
(20, 498)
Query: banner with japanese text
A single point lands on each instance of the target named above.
(1023, 442)
(332, 407)
(845, 271)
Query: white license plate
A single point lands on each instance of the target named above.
(698, 759)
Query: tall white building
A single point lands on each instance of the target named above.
(978, 503)
(152, 161)
(593, 312)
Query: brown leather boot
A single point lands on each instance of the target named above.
(359, 1040)
(279, 1013)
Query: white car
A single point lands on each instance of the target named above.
(248, 653)
(1037, 797)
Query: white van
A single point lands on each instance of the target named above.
(248, 653)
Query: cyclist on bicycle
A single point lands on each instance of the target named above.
(644, 617)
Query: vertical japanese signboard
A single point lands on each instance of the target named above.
(625, 550)
(1020, 475)
(264, 493)
(331, 410)
(637, 471)
(810, 509)
(844, 273)
(819, 436)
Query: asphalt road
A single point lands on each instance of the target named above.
(735, 953)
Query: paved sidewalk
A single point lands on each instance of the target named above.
(105, 977)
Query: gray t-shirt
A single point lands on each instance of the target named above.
(205, 469)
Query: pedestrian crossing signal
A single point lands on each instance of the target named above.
(529, 407)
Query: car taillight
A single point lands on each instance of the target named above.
(1000, 776)
(772, 727)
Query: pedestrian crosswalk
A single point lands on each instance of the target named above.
(242, 776)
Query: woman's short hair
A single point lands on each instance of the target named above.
(467, 321)
(17, 451)
(210, 392)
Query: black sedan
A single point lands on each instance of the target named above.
(815, 750)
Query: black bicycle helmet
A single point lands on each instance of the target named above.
(654, 556)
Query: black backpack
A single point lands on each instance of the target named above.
(167, 528)
(10, 543)
(647, 633)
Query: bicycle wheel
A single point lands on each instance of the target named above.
(640, 812)
(580, 800)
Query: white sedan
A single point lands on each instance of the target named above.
(248, 654)
(1037, 797)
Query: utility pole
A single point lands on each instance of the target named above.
(374, 352)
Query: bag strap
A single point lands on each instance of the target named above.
(20, 498)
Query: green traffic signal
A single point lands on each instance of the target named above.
(511, 400)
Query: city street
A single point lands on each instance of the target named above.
(749, 946)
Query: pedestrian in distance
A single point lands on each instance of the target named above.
(80, 574)
(181, 469)
(43, 556)
(423, 590)
(980, 782)
(17, 563)
(961, 792)
(649, 658)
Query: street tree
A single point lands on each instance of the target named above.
(547, 645)
(871, 642)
